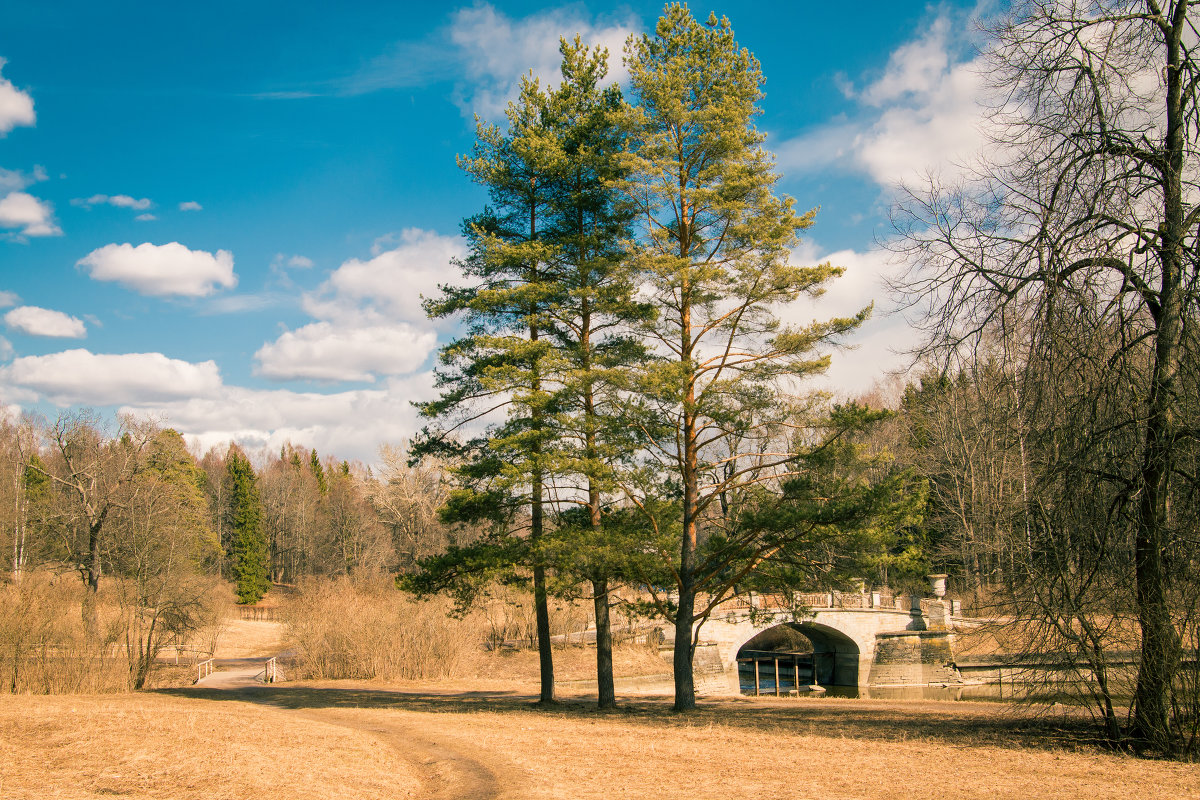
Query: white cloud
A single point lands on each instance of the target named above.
(190, 205)
(145, 217)
(15, 179)
(876, 348)
(369, 320)
(36, 321)
(389, 286)
(486, 52)
(118, 200)
(350, 424)
(33, 216)
(497, 50)
(16, 107)
(80, 377)
(8, 299)
(6, 349)
(829, 144)
(125, 201)
(942, 131)
(914, 68)
(169, 269)
(322, 352)
(280, 265)
(924, 113)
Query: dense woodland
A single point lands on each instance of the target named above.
(623, 419)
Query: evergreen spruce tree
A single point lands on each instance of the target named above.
(318, 471)
(247, 541)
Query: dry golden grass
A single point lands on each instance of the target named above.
(341, 740)
(143, 746)
(710, 754)
(827, 748)
(243, 638)
(571, 663)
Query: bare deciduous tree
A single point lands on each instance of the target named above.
(1086, 213)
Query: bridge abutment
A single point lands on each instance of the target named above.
(904, 644)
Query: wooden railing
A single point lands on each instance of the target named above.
(270, 671)
(204, 669)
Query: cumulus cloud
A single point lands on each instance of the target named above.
(323, 352)
(159, 270)
(190, 205)
(32, 216)
(388, 287)
(881, 344)
(80, 377)
(8, 299)
(486, 52)
(332, 423)
(16, 106)
(925, 112)
(369, 320)
(36, 321)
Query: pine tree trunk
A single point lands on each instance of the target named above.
(541, 604)
(685, 688)
(606, 694)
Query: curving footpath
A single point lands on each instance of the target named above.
(446, 773)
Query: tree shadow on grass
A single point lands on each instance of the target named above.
(885, 721)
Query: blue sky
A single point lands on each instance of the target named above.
(224, 214)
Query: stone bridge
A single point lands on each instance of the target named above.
(858, 639)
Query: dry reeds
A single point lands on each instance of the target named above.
(365, 629)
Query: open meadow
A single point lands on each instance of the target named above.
(365, 740)
(477, 733)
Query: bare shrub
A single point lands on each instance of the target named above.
(44, 648)
(364, 628)
(510, 618)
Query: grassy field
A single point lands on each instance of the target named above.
(481, 737)
(157, 746)
(341, 740)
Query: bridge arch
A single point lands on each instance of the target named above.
(831, 658)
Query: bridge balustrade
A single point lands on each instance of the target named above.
(822, 600)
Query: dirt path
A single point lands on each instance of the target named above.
(446, 772)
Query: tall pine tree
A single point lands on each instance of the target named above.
(589, 321)
(713, 250)
(500, 365)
